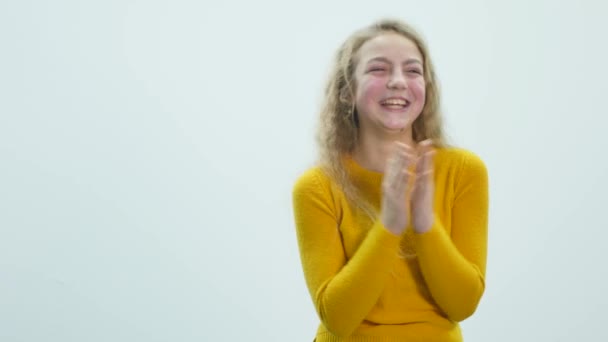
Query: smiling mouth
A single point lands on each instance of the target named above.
(398, 104)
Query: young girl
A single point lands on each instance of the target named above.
(392, 223)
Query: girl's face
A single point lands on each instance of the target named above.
(390, 85)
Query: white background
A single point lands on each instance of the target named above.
(148, 150)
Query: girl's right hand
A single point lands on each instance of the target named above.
(397, 183)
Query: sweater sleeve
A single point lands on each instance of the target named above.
(454, 266)
(343, 291)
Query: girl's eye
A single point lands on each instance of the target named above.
(416, 71)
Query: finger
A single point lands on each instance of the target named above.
(426, 144)
(394, 155)
(423, 147)
(402, 172)
(393, 177)
(398, 168)
(412, 186)
(400, 183)
(411, 180)
(409, 167)
(407, 184)
(403, 144)
(403, 147)
(425, 167)
(402, 154)
(390, 170)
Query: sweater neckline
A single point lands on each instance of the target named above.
(367, 180)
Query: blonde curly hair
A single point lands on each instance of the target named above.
(337, 134)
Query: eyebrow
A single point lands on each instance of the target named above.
(386, 60)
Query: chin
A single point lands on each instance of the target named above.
(401, 126)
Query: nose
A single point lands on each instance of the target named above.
(396, 80)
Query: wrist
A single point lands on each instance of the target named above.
(423, 225)
(391, 228)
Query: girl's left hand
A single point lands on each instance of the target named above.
(424, 189)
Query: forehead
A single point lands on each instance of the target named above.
(392, 46)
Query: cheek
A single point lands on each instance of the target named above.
(370, 90)
(418, 87)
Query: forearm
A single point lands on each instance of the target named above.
(455, 283)
(345, 299)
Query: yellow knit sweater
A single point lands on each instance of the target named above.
(368, 284)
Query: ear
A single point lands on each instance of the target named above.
(346, 92)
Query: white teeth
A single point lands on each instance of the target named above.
(395, 102)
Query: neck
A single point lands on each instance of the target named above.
(373, 150)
